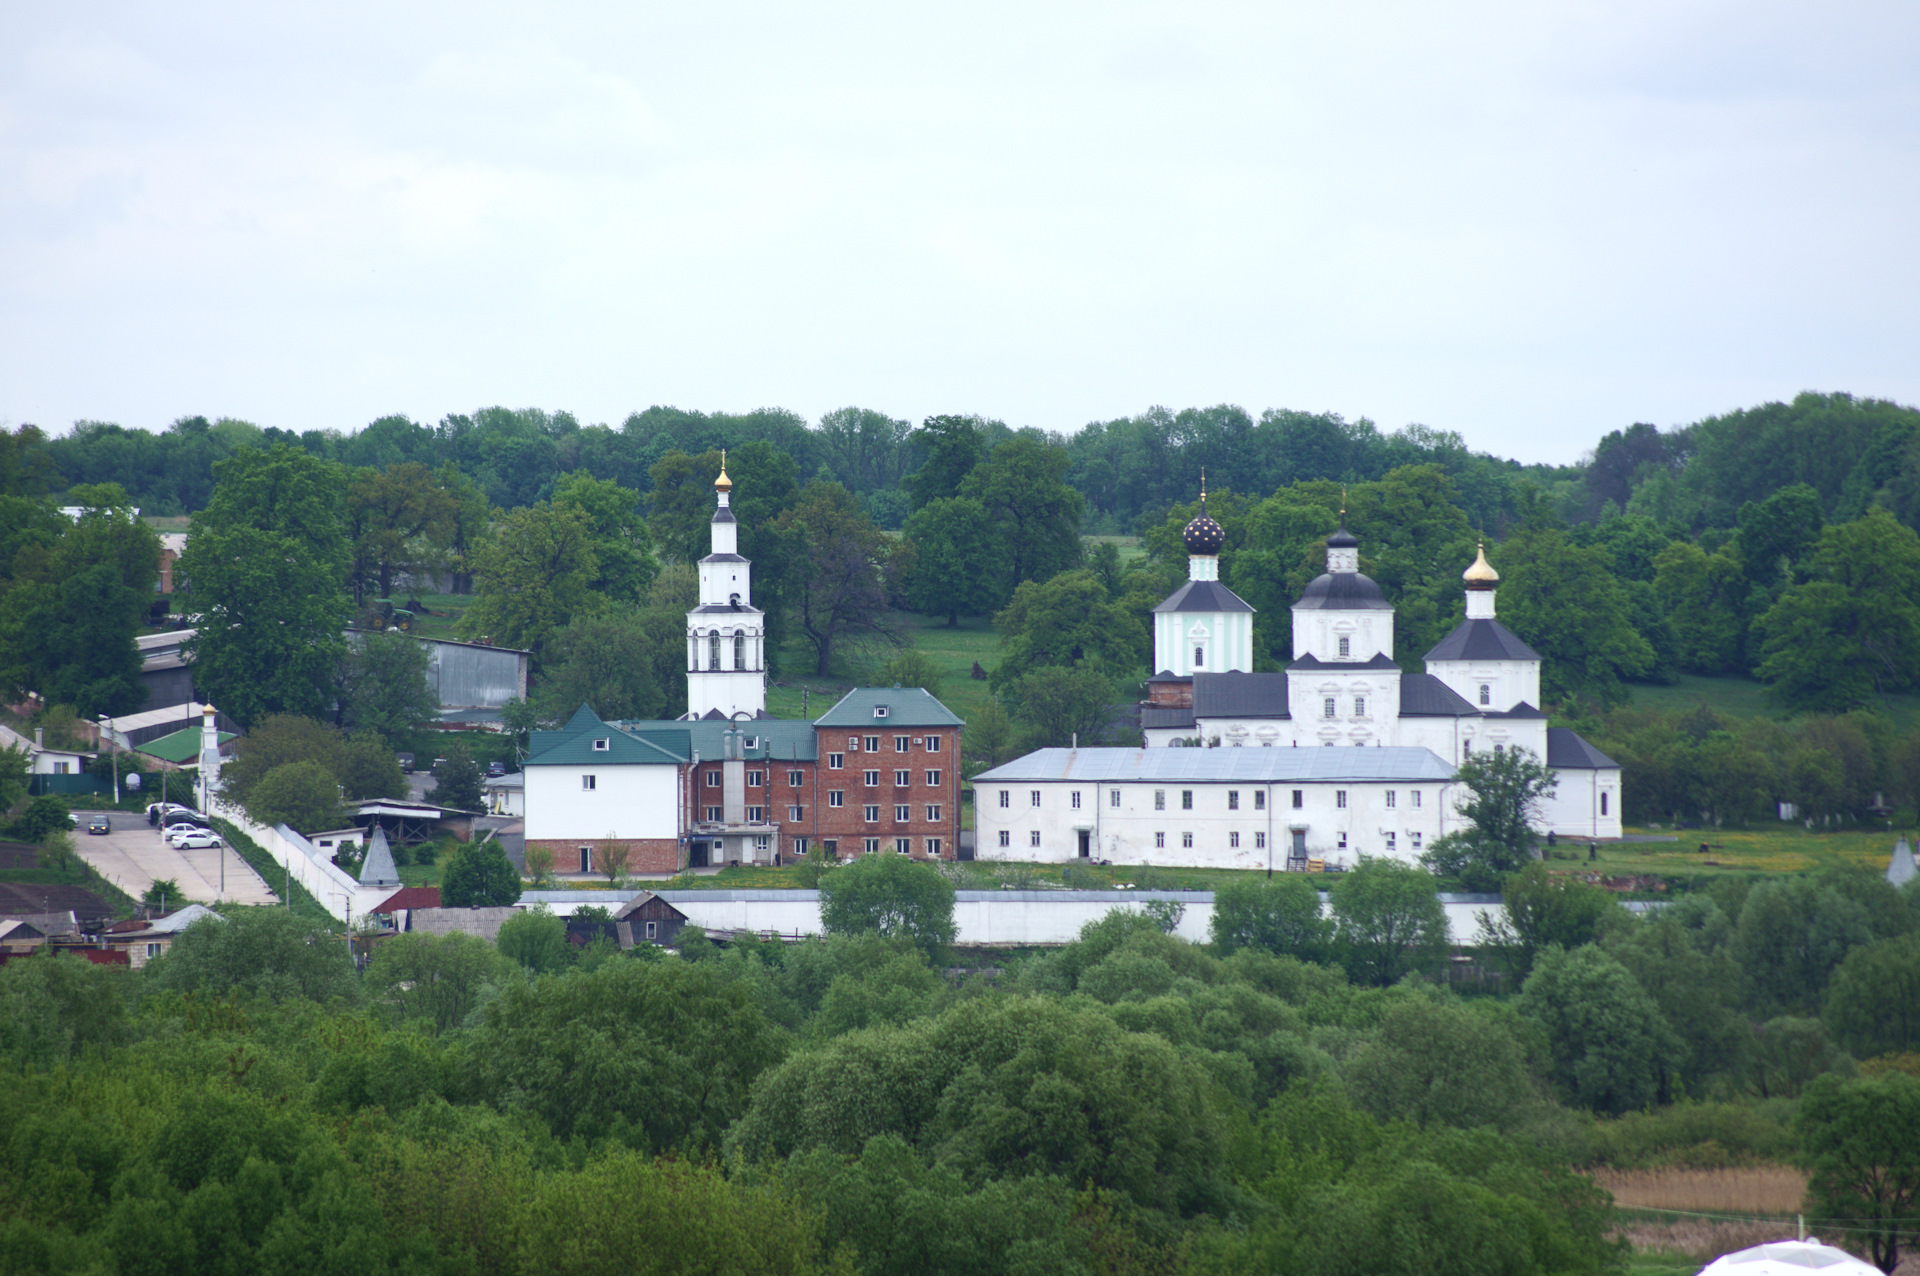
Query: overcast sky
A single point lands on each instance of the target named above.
(1530, 223)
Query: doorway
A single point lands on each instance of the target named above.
(1299, 851)
(696, 854)
(1086, 843)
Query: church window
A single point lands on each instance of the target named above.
(1160, 840)
(1359, 706)
(1186, 840)
(713, 651)
(739, 651)
(1486, 693)
(1199, 657)
(1340, 798)
(1326, 708)
(1259, 841)
(1033, 838)
(1603, 804)
(1346, 646)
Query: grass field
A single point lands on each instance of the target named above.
(1719, 1211)
(1786, 848)
(1745, 698)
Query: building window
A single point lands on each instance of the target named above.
(1113, 797)
(933, 744)
(880, 711)
(853, 744)
(602, 744)
(713, 815)
(587, 782)
(1346, 646)
(871, 846)
(903, 846)
(1392, 799)
(793, 813)
(1186, 839)
(836, 798)
(900, 744)
(1414, 798)
(871, 743)
(1259, 799)
(799, 846)
(713, 651)
(1006, 838)
(713, 779)
(933, 848)
(1004, 803)
(870, 778)
(834, 762)
(1340, 799)
(794, 779)
(1159, 839)
(1186, 799)
(902, 814)
(1466, 748)
(1233, 799)
(1486, 693)
(1343, 841)
(153, 950)
(1259, 841)
(1390, 840)
(756, 779)
(1159, 799)
(1414, 840)
(763, 843)
(1326, 708)
(1076, 800)
(832, 847)
(871, 814)
(653, 928)
(1033, 797)
(1033, 838)
(933, 779)
(901, 779)
(739, 651)
(756, 815)
(1199, 657)
(933, 815)
(1603, 804)
(1299, 798)
(1359, 706)
(1233, 838)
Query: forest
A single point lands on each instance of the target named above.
(1302, 1094)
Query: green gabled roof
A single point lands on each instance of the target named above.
(182, 747)
(573, 744)
(774, 739)
(905, 706)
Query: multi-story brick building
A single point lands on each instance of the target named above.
(727, 784)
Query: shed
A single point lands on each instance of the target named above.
(482, 923)
(648, 919)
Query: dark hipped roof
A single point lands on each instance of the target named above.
(1204, 595)
(1379, 660)
(905, 706)
(1343, 591)
(1240, 695)
(1424, 696)
(1566, 751)
(1168, 675)
(1152, 719)
(1481, 640)
(1521, 710)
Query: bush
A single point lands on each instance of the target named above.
(43, 815)
(1700, 1135)
(480, 876)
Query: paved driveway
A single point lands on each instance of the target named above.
(134, 857)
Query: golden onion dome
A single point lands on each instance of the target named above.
(1481, 575)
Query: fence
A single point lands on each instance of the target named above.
(335, 888)
(71, 784)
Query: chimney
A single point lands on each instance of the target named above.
(39, 737)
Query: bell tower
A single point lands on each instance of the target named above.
(726, 633)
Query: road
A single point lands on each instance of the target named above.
(134, 857)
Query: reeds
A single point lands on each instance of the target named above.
(1749, 1189)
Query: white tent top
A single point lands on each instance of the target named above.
(1789, 1258)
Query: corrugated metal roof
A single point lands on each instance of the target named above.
(905, 706)
(1312, 764)
(1204, 595)
(659, 744)
(1481, 640)
(1240, 695)
(182, 747)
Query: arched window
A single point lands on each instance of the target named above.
(739, 651)
(1199, 657)
(713, 651)
(1486, 694)
(1346, 646)
(1603, 804)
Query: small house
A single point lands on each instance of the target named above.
(648, 919)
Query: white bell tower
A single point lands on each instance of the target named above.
(726, 633)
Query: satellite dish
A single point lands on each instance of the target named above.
(132, 781)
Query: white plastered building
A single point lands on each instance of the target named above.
(726, 633)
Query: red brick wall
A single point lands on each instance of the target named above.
(644, 854)
(847, 824)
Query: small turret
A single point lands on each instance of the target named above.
(1204, 540)
(1481, 581)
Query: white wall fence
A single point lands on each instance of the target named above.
(327, 882)
(981, 917)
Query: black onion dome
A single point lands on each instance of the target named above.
(1343, 591)
(1343, 539)
(1203, 535)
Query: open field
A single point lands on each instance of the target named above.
(953, 652)
(1782, 848)
(1745, 698)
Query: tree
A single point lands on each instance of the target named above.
(479, 876)
(889, 895)
(1543, 911)
(1066, 621)
(535, 575)
(1022, 486)
(1280, 915)
(988, 738)
(383, 685)
(621, 543)
(303, 795)
(950, 572)
(265, 951)
(1387, 921)
(910, 667)
(1677, 956)
(1575, 613)
(1439, 1063)
(839, 592)
(536, 940)
(952, 446)
(363, 765)
(616, 662)
(1056, 706)
(1873, 1000)
(1851, 630)
(400, 519)
(1792, 934)
(1862, 1139)
(80, 619)
(437, 980)
(1506, 790)
(265, 566)
(1612, 1049)
(458, 780)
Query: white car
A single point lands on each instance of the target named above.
(192, 839)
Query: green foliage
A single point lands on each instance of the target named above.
(56, 1008)
(362, 765)
(14, 764)
(1387, 922)
(889, 895)
(1034, 514)
(1066, 621)
(1544, 910)
(1862, 1140)
(1873, 999)
(301, 794)
(910, 668)
(536, 573)
(1057, 707)
(41, 816)
(1506, 789)
(438, 981)
(1280, 915)
(837, 591)
(1435, 1062)
(952, 540)
(458, 783)
(1794, 932)
(265, 952)
(479, 876)
(400, 519)
(1851, 629)
(384, 685)
(266, 561)
(1612, 1050)
(1708, 1135)
(622, 545)
(535, 940)
(1575, 613)
(622, 663)
(165, 894)
(78, 614)
(1679, 956)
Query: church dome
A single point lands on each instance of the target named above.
(1481, 575)
(1343, 539)
(1203, 535)
(1343, 591)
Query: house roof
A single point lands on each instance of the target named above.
(1164, 719)
(1240, 695)
(905, 706)
(1424, 696)
(15, 931)
(511, 780)
(1313, 764)
(173, 923)
(773, 739)
(409, 897)
(1566, 751)
(1204, 595)
(378, 869)
(1481, 640)
(638, 902)
(482, 922)
(182, 747)
(575, 744)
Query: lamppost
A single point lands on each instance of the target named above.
(106, 738)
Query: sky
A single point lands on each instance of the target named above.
(1528, 223)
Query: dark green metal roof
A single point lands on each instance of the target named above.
(905, 706)
(662, 744)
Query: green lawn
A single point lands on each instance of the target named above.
(953, 651)
(1745, 698)
(1782, 848)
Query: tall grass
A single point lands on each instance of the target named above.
(1746, 1189)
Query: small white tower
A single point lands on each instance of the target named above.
(209, 757)
(726, 633)
(1483, 660)
(1204, 627)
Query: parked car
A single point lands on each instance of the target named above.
(406, 763)
(496, 769)
(158, 811)
(182, 819)
(190, 839)
(99, 824)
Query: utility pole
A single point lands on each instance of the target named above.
(107, 740)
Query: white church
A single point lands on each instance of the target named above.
(1340, 755)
